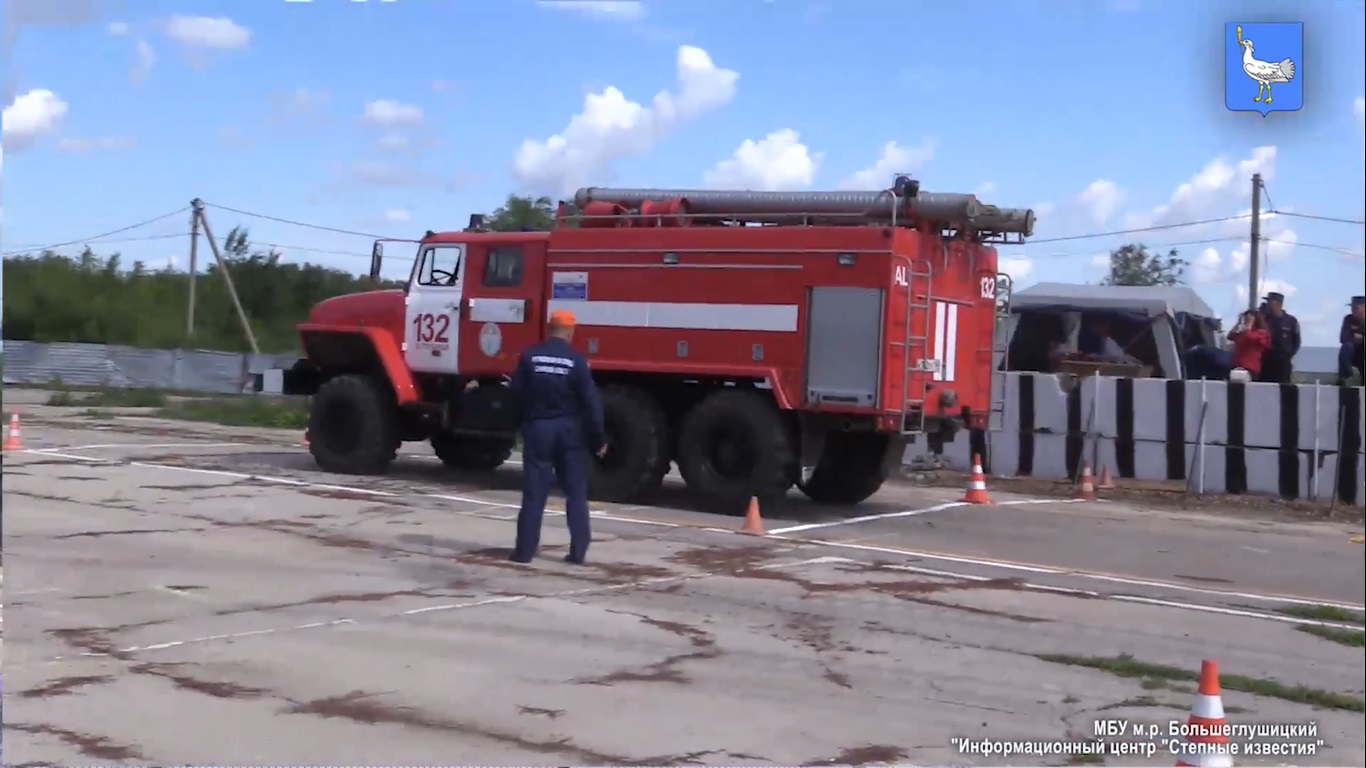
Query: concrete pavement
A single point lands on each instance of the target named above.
(206, 596)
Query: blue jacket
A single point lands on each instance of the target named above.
(552, 381)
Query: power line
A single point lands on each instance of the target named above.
(1333, 219)
(1315, 246)
(84, 240)
(1089, 252)
(1139, 230)
(294, 223)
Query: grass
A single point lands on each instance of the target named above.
(1127, 666)
(1352, 638)
(241, 412)
(109, 398)
(1325, 613)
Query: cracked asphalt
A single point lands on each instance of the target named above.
(182, 594)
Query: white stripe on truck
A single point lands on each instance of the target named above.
(662, 314)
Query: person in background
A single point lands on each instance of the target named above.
(562, 422)
(1352, 353)
(1250, 342)
(1278, 361)
(1099, 343)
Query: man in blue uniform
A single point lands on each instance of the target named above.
(562, 423)
(1278, 366)
(1352, 353)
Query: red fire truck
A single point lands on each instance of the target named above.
(757, 340)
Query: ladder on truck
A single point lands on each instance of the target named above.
(1000, 354)
(916, 345)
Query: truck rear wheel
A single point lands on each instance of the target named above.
(734, 445)
(637, 446)
(850, 469)
(353, 426)
(481, 453)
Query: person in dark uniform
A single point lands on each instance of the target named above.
(562, 423)
(1352, 353)
(1278, 360)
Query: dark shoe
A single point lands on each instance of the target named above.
(519, 558)
(571, 559)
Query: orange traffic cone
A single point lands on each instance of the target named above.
(1205, 742)
(12, 438)
(754, 525)
(1107, 482)
(1086, 488)
(977, 484)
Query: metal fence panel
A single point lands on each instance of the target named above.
(191, 370)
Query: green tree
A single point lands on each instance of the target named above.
(523, 214)
(96, 299)
(1134, 264)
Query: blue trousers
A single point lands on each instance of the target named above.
(553, 449)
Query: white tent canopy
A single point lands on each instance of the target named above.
(1151, 300)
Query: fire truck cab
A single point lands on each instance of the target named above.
(755, 340)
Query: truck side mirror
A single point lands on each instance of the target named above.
(376, 259)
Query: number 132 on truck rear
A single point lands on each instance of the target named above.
(756, 340)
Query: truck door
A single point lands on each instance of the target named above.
(503, 306)
(431, 341)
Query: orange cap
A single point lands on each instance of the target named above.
(563, 318)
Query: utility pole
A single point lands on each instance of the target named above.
(196, 210)
(198, 206)
(1254, 265)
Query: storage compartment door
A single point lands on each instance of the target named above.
(844, 346)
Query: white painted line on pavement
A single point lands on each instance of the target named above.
(1139, 599)
(497, 600)
(1077, 574)
(911, 513)
(779, 534)
(472, 500)
(111, 446)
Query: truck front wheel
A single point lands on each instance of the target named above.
(482, 453)
(734, 445)
(353, 426)
(850, 469)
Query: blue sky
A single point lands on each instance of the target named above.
(397, 117)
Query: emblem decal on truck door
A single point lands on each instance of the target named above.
(490, 340)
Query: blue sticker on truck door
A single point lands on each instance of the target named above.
(569, 285)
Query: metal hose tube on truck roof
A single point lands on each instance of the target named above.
(949, 208)
(1005, 220)
(871, 204)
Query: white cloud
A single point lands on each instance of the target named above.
(298, 106)
(31, 117)
(389, 113)
(611, 127)
(1267, 285)
(1359, 107)
(1280, 244)
(1218, 184)
(101, 144)
(211, 32)
(1018, 267)
(891, 160)
(626, 10)
(394, 142)
(397, 215)
(778, 162)
(1208, 266)
(1100, 199)
(118, 28)
(985, 189)
(145, 59)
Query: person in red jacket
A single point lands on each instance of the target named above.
(1250, 339)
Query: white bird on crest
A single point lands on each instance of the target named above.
(1264, 72)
